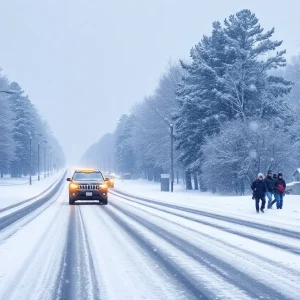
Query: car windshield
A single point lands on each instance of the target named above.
(88, 176)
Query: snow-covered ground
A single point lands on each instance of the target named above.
(31, 251)
(15, 190)
(149, 249)
(236, 206)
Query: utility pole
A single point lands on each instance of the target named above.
(45, 163)
(39, 144)
(171, 126)
(30, 162)
(50, 163)
(172, 156)
(48, 160)
(48, 171)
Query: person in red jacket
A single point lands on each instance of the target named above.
(279, 189)
(259, 189)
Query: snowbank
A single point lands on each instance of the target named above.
(14, 190)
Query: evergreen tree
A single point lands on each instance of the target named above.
(198, 96)
(22, 132)
(227, 79)
(20, 122)
(7, 142)
(124, 149)
(27, 126)
(247, 86)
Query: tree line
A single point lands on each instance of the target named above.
(235, 110)
(20, 126)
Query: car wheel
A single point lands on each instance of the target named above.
(103, 202)
(71, 201)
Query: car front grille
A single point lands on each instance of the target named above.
(88, 187)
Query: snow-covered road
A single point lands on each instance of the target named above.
(140, 249)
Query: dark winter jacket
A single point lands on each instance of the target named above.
(259, 188)
(277, 183)
(270, 182)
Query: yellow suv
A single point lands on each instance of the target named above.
(88, 184)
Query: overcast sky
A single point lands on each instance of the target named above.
(86, 62)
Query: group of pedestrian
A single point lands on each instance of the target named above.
(273, 186)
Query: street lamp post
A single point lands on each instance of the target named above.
(172, 156)
(45, 163)
(39, 144)
(49, 161)
(171, 126)
(30, 160)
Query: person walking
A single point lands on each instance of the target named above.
(275, 195)
(259, 189)
(279, 189)
(270, 187)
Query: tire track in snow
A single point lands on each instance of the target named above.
(229, 273)
(77, 279)
(262, 227)
(12, 218)
(270, 262)
(13, 228)
(32, 198)
(195, 289)
(31, 269)
(279, 245)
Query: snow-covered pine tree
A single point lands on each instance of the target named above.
(23, 130)
(124, 148)
(7, 142)
(229, 78)
(247, 86)
(201, 112)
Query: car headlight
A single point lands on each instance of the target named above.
(102, 186)
(74, 186)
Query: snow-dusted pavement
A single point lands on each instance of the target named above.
(144, 249)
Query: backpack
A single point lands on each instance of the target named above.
(280, 188)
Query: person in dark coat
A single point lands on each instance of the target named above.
(275, 195)
(270, 187)
(259, 189)
(279, 189)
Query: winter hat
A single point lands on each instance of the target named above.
(269, 171)
(260, 175)
(280, 174)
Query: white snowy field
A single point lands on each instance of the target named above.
(15, 190)
(236, 206)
